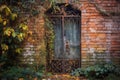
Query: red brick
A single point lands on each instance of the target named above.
(104, 37)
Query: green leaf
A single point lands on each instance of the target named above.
(14, 34)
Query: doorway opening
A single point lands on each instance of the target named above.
(67, 43)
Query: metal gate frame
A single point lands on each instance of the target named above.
(63, 65)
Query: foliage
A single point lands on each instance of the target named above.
(12, 72)
(112, 77)
(98, 71)
(28, 6)
(12, 34)
(49, 36)
(103, 11)
(19, 72)
(78, 72)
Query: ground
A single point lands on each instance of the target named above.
(63, 77)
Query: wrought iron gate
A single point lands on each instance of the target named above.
(67, 41)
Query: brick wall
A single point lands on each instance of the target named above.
(99, 33)
(34, 46)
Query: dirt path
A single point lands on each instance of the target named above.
(63, 77)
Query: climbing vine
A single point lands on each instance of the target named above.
(12, 34)
(49, 37)
(102, 10)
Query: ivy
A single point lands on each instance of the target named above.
(49, 37)
(103, 11)
(12, 34)
(99, 72)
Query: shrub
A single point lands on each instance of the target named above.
(98, 71)
(12, 34)
(19, 72)
(78, 72)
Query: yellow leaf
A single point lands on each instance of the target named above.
(8, 31)
(13, 34)
(18, 50)
(4, 23)
(20, 36)
(6, 9)
(4, 47)
(1, 20)
(23, 27)
(13, 16)
(2, 7)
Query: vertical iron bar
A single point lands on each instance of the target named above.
(79, 22)
(63, 35)
(63, 42)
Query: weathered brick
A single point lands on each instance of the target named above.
(98, 31)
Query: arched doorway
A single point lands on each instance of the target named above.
(67, 29)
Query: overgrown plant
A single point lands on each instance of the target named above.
(99, 72)
(103, 11)
(14, 73)
(12, 34)
(49, 36)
